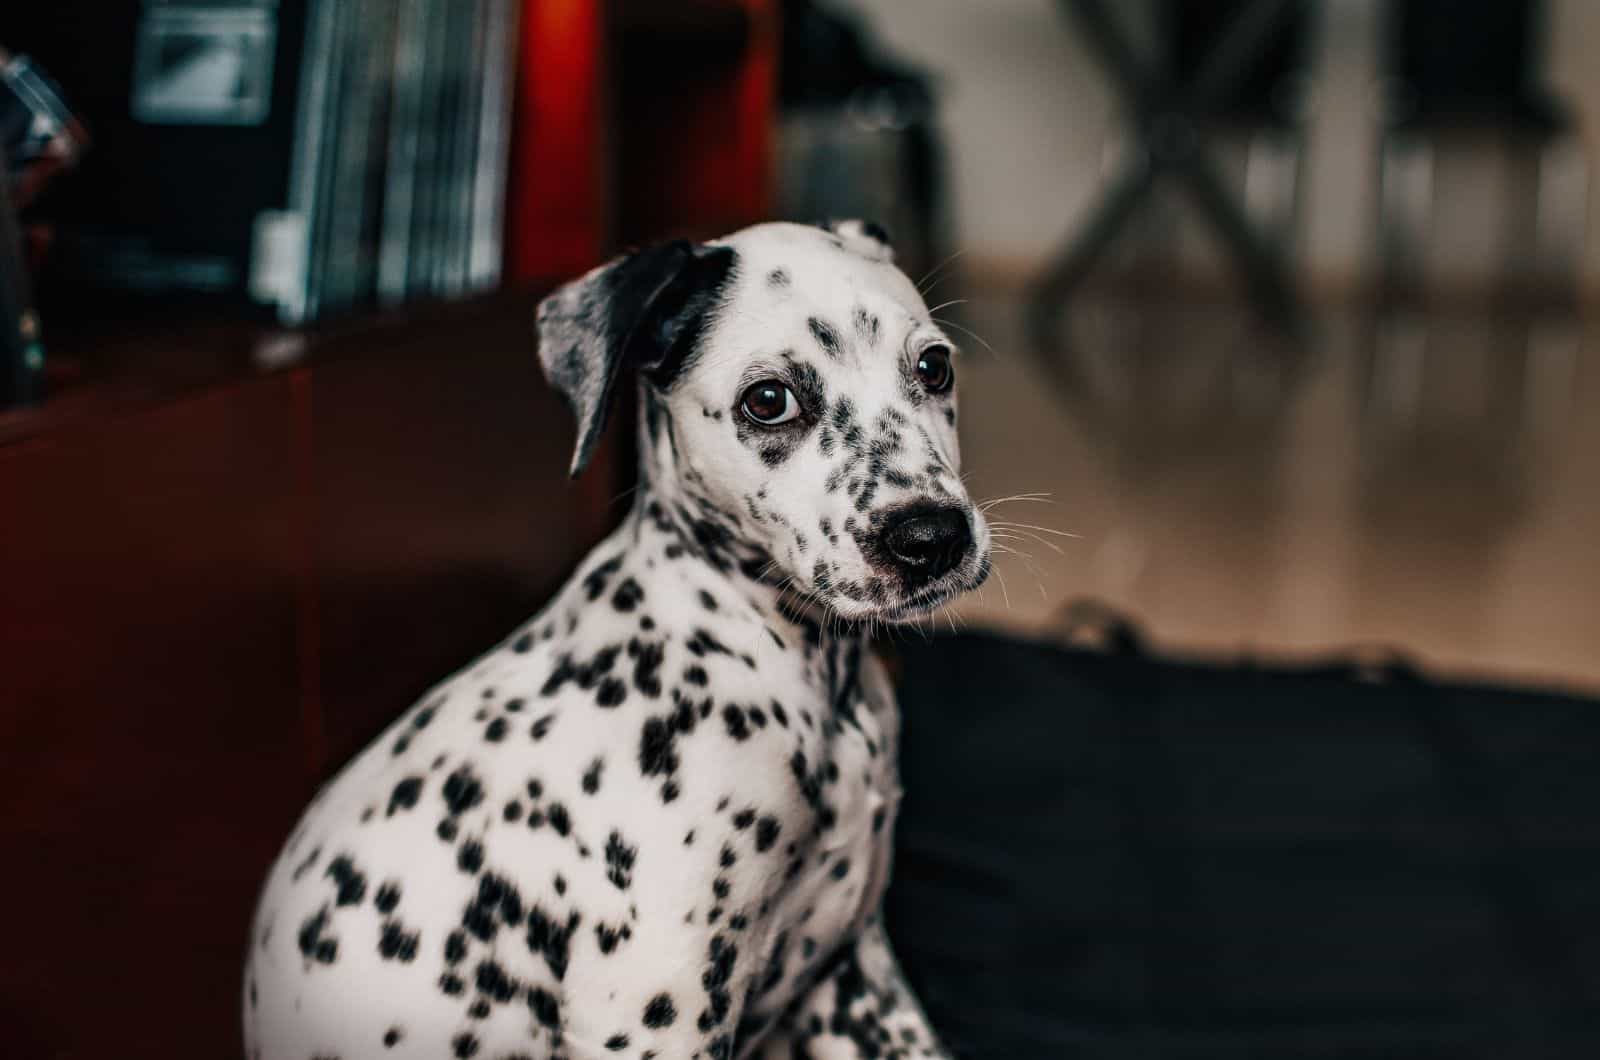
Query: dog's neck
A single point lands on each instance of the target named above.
(679, 527)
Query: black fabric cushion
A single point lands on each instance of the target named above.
(1103, 854)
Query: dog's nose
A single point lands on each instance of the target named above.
(929, 543)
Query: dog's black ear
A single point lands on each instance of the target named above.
(867, 238)
(644, 311)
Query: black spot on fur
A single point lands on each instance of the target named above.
(306, 865)
(611, 692)
(609, 938)
(619, 861)
(767, 830)
(351, 885)
(494, 983)
(594, 583)
(628, 595)
(647, 669)
(550, 940)
(826, 335)
(397, 944)
(703, 643)
(778, 278)
(462, 791)
(546, 1009)
(715, 979)
(656, 754)
(387, 898)
(314, 945)
(867, 326)
(660, 1012)
(404, 796)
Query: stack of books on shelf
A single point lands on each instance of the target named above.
(396, 187)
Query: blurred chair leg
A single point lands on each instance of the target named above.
(1272, 184)
(1262, 265)
(1083, 250)
(1562, 217)
(1405, 210)
(1398, 339)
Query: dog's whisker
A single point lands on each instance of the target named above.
(1028, 562)
(948, 323)
(1039, 498)
(943, 305)
(929, 278)
(1005, 592)
(1029, 526)
(1017, 535)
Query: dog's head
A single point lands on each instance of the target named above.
(798, 409)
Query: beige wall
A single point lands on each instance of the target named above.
(1029, 122)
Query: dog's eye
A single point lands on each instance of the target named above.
(769, 403)
(934, 369)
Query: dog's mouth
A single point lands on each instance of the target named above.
(926, 599)
(911, 604)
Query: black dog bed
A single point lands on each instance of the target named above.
(1105, 855)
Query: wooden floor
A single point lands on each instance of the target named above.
(1426, 484)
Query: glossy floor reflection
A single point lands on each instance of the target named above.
(1428, 484)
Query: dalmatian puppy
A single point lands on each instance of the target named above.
(655, 822)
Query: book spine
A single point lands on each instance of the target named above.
(311, 115)
(405, 126)
(486, 246)
(420, 259)
(465, 154)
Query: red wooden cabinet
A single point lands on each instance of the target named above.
(212, 599)
(152, 739)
